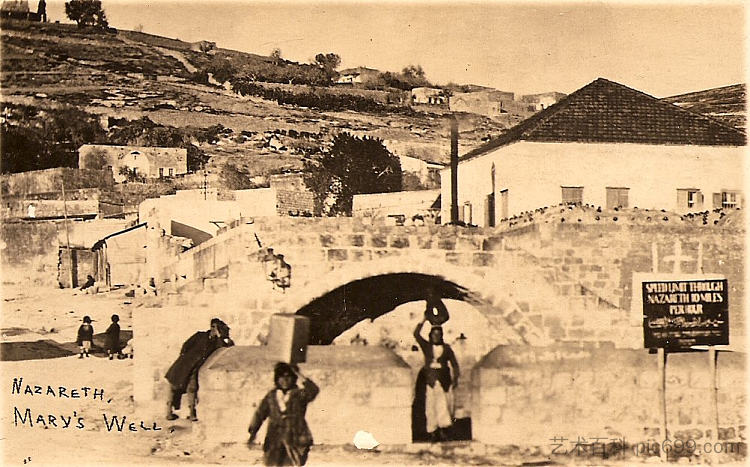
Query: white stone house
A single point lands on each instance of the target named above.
(489, 103)
(149, 162)
(605, 145)
(429, 96)
(359, 75)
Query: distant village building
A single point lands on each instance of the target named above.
(359, 75)
(487, 103)
(541, 101)
(19, 9)
(206, 47)
(605, 145)
(293, 198)
(425, 170)
(428, 96)
(38, 195)
(400, 207)
(148, 162)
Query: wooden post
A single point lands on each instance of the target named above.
(67, 233)
(712, 360)
(662, 356)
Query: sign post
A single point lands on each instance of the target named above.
(682, 312)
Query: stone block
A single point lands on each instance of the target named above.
(446, 243)
(459, 259)
(378, 241)
(421, 241)
(327, 240)
(399, 241)
(338, 254)
(468, 243)
(700, 379)
(492, 396)
(356, 240)
(360, 255)
(492, 243)
(483, 259)
(391, 397)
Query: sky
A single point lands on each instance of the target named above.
(524, 47)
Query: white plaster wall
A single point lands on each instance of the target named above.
(256, 203)
(533, 174)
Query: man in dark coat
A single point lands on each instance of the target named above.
(183, 374)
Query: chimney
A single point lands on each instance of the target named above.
(454, 169)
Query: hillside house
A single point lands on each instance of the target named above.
(606, 145)
(536, 102)
(19, 9)
(293, 198)
(425, 170)
(487, 103)
(359, 75)
(148, 162)
(38, 194)
(428, 96)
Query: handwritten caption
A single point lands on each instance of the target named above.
(24, 416)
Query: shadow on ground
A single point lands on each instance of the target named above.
(47, 348)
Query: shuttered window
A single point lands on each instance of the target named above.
(689, 198)
(572, 194)
(617, 197)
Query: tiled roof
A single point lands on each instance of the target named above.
(608, 112)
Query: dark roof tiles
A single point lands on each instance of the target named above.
(608, 112)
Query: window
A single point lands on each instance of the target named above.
(617, 197)
(161, 172)
(171, 171)
(465, 215)
(689, 198)
(730, 199)
(572, 195)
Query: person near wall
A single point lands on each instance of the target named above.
(288, 438)
(435, 382)
(89, 287)
(183, 374)
(85, 337)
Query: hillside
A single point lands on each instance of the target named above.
(726, 104)
(125, 74)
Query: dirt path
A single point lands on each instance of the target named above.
(179, 57)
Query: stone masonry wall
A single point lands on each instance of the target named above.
(528, 396)
(361, 389)
(29, 252)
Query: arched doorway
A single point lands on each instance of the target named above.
(360, 302)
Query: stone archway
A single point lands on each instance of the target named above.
(340, 299)
(347, 295)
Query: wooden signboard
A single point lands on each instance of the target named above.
(679, 314)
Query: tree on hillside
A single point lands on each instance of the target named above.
(352, 166)
(413, 71)
(276, 55)
(328, 62)
(86, 13)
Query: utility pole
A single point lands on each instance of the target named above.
(454, 169)
(67, 232)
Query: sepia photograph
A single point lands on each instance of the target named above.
(430, 232)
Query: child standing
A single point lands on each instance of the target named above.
(288, 438)
(112, 342)
(85, 336)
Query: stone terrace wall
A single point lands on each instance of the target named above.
(599, 260)
(528, 396)
(29, 252)
(362, 388)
